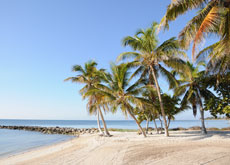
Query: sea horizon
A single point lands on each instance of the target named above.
(119, 124)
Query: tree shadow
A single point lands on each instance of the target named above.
(196, 135)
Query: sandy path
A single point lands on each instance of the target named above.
(182, 148)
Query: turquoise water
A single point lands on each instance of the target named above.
(16, 141)
(127, 124)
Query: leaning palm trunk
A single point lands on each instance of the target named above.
(203, 129)
(142, 131)
(147, 125)
(160, 100)
(155, 124)
(98, 124)
(161, 124)
(169, 120)
(102, 118)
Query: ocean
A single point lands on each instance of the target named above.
(126, 124)
(16, 141)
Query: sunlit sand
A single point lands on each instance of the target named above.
(182, 147)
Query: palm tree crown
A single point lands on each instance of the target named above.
(192, 88)
(213, 17)
(148, 57)
(90, 77)
(118, 91)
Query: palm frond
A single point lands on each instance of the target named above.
(179, 7)
(190, 30)
(210, 23)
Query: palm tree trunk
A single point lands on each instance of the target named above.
(155, 124)
(98, 123)
(147, 125)
(160, 100)
(103, 121)
(169, 122)
(142, 131)
(161, 123)
(105, 126)
(203, 129)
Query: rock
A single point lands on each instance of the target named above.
(195, 128)
(178, 129)
(53, 130)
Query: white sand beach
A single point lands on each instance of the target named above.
(181, 148)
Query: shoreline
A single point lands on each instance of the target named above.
(36, 151)
(81, 131)
(124, 147)
(15, 153)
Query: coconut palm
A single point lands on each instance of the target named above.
(192, 89)
(219, 105)
(90, 77)
(143, 115)
(148, 113)
(120, 95)
(213, 17)
(96, 103)
(172, 107)
(152, 108)
(148, 57)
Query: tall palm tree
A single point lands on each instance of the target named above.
(213, 17)
(120, 95)
(148, 58)
(90, 77)
(192, 89)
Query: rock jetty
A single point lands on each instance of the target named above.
(53, 130)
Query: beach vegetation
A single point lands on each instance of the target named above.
(192, 89)
(90, 76)
(148, 57)
(132, 84)
(119, 92)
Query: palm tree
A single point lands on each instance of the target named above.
(143, 115)
(90, 76)
(151, 109)
(148, 57)
(219, 105)
(213, 17)
(192, 88)
(120, 95)
(98, 104)
(172, 106)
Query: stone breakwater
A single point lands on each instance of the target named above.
(53, 130)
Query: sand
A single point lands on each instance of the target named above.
(181, 148)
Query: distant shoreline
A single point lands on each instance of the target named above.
(217, 118)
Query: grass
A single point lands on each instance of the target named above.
(123, 130)
(175, 129)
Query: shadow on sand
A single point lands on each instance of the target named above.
(196, 135)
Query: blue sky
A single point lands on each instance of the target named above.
(41, 40)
